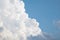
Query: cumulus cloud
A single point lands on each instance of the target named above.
(14, 21)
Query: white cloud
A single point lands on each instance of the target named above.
(14, 21)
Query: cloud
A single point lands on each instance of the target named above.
(40, 37)
(57, 23)
(15, 23)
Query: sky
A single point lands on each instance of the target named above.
(29, 20)
(47, 13)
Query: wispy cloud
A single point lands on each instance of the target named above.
(40, 37)
(57, 23)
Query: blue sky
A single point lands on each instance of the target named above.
(47, 13)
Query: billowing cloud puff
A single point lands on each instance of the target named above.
(15, 23)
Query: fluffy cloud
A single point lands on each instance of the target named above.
(14, 21)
